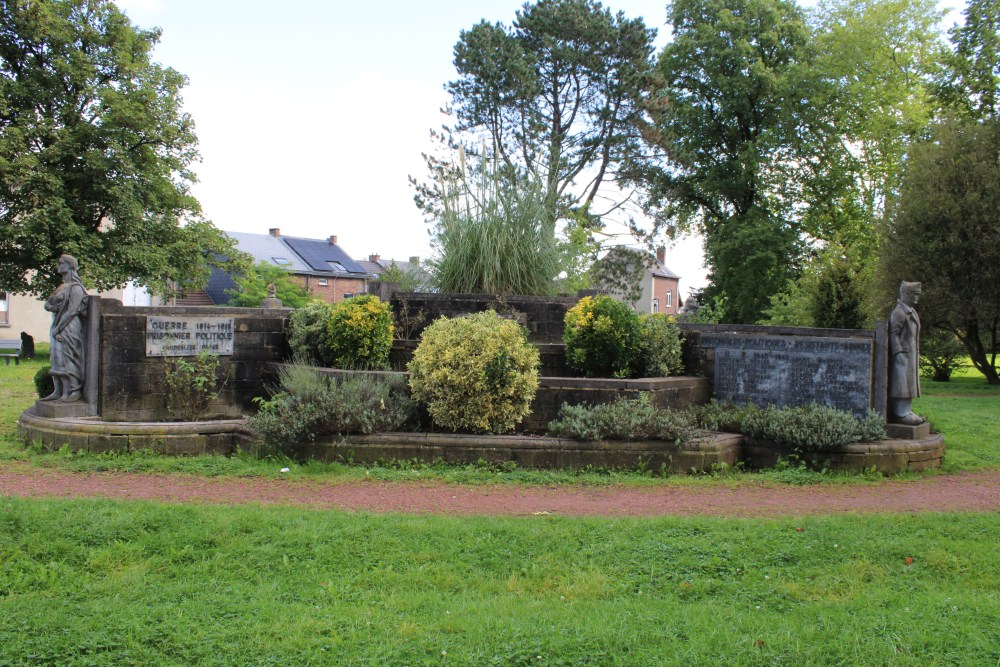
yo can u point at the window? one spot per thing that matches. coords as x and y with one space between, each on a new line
348 295
323 282
3 309
337 266
656 305
281 261
670 298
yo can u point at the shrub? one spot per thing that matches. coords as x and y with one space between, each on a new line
722 416
660 347
191 385
43 382
623 419
941 354
307 333
812 427
306 404
476 373
602 337
359 333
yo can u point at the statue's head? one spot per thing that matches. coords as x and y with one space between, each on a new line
68 262
909 293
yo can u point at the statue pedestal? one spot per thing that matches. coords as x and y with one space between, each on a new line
907 432
57 410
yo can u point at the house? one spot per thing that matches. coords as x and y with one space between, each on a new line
416 277
319 265
24 312
657 283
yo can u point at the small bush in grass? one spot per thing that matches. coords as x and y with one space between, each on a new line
602 337
359 333
307 404
660 346
43 382
307 333
941 354
476 373
623 419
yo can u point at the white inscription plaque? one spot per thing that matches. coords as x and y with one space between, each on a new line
188 336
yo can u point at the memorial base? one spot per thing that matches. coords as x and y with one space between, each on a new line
57 410
907 432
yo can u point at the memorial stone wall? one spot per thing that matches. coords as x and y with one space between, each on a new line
789 366
138 343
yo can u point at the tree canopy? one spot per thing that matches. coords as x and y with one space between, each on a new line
556 94
946 234
96 154
251 287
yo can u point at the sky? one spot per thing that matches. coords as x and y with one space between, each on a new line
311 114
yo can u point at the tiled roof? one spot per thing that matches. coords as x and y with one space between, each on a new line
269 249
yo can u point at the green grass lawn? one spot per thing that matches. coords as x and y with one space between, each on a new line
966 410
115 583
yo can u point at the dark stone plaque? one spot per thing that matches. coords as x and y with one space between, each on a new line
793 370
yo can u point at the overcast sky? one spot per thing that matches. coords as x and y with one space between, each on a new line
311 114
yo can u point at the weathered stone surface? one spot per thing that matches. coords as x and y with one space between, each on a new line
908 432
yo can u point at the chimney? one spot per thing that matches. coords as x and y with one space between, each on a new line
275 232
661 254
333 240
374 259
415 261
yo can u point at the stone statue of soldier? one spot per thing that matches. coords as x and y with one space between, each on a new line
904 356
68 305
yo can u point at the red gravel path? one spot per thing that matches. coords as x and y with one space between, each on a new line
969 492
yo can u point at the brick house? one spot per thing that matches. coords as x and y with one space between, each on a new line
660 285
320 266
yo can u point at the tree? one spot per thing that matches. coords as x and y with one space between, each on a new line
945 233
95 153
556 95
729 120
972 72
251 287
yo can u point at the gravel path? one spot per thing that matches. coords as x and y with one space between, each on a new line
967 492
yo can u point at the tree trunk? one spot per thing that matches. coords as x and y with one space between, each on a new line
977 352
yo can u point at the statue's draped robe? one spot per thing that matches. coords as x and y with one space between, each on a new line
904 348
68 305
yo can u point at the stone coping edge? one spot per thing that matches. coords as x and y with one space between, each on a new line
95 425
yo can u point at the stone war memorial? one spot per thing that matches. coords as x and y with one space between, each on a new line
110 366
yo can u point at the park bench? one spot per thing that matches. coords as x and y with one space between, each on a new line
7 344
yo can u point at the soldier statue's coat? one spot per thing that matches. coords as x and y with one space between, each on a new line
904 350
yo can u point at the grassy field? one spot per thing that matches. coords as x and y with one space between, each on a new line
966 410
129 583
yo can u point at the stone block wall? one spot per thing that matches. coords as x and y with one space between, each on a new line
132 384
542 316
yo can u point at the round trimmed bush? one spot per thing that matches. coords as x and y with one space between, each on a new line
602 337
660 352
477 373
43 382
307 333
359 333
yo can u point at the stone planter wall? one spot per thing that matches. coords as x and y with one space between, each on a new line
887 456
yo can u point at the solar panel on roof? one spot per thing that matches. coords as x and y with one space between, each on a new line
319 254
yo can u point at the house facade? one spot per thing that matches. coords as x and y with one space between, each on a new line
659 285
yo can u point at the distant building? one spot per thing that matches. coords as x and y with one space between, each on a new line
659 285
417 277
319 265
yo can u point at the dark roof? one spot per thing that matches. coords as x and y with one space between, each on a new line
319 254
218 282
268 249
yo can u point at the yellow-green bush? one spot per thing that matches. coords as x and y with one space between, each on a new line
476 373
359 333
602 337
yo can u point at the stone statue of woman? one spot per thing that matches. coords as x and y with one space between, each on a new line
68 305
904 356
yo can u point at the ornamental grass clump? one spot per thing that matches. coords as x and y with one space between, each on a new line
358 333
603 337
623 419
476 373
